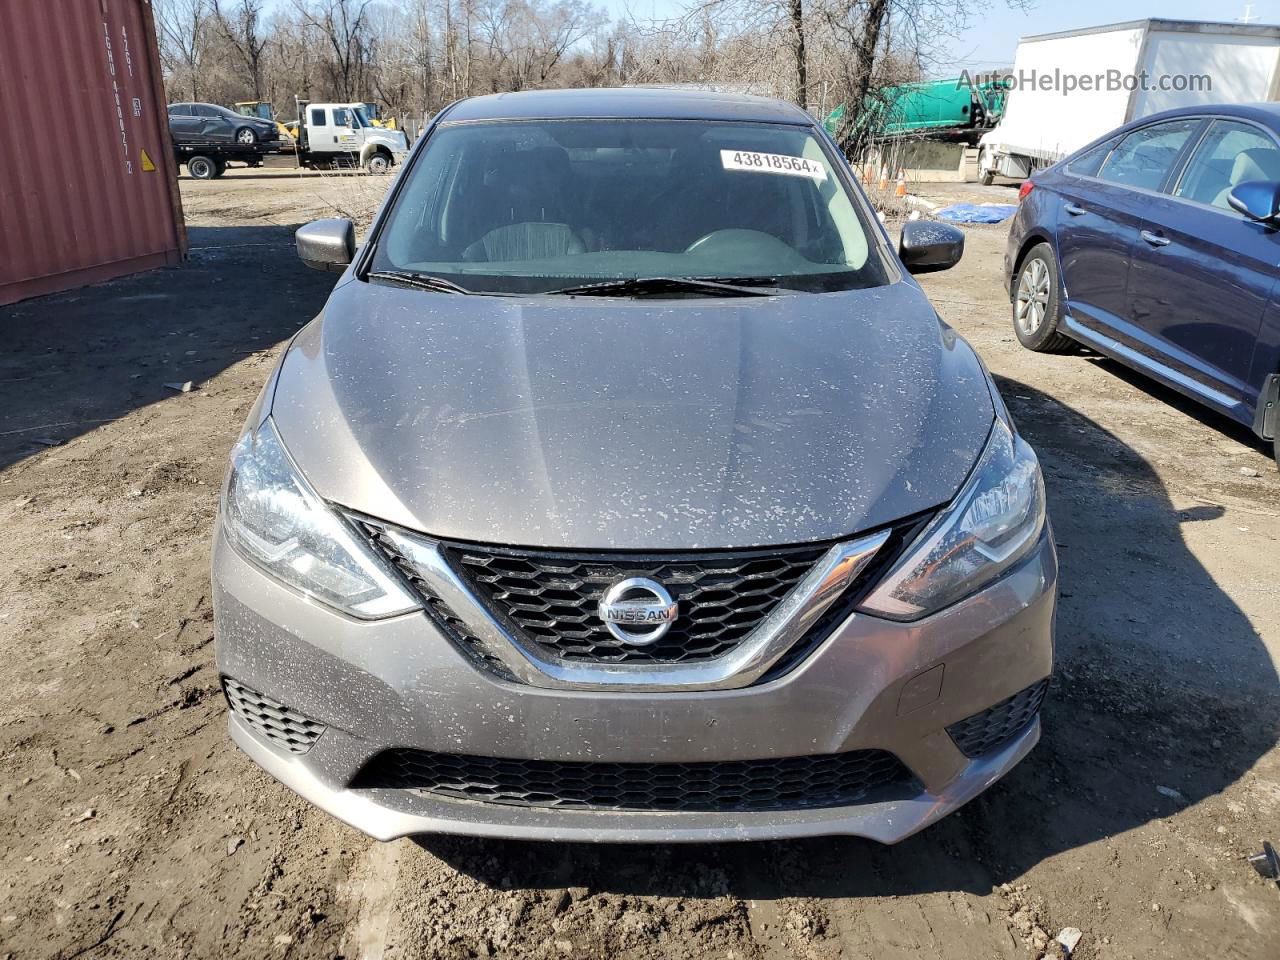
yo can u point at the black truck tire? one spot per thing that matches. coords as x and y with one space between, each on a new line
200 167
220 166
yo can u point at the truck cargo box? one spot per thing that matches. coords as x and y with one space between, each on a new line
1050 113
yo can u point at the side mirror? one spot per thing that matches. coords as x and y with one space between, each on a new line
326 244
927 246
1257 200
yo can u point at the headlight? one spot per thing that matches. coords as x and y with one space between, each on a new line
277 521
993 523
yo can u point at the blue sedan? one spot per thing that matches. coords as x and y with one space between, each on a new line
1158 246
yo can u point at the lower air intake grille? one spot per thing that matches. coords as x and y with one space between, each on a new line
992 728
739 785
284 727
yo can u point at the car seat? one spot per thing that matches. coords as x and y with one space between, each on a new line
1256 163
523 204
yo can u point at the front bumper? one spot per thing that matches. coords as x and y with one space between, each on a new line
397 683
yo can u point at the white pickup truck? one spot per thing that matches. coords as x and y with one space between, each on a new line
341 135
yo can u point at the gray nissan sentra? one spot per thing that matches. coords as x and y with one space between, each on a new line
629 488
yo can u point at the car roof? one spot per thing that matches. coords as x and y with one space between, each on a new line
644 103
1268 114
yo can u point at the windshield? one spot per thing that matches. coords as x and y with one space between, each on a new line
537 206
362 114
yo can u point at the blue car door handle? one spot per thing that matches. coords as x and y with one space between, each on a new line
1154 239
1074 210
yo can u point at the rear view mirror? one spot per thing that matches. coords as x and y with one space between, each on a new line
1257 200
327 244
927 246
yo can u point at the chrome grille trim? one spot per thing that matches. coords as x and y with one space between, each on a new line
448 622
785 625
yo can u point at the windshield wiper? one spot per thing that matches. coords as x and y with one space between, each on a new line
746 287
771 282
420 281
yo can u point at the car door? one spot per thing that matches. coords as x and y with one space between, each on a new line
184 127
1202 274
344 127
228 122
320 135
213 126
1104 194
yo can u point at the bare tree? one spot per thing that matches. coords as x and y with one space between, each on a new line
344 25
421 38
183 29
856 25
556 28
417 55
240 29
795 10
525 40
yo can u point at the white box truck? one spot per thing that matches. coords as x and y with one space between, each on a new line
1067 89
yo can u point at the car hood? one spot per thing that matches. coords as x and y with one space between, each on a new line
633 424
392 138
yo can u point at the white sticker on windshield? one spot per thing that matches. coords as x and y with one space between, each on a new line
772 163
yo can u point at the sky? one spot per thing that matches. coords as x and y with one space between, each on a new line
993 33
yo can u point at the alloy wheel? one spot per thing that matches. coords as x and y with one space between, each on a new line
1033 297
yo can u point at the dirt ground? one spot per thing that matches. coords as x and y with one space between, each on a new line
130 826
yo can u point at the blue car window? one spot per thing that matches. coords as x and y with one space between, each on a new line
1144 157
1087 164
1231 153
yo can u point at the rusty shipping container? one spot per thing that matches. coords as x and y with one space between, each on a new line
88 185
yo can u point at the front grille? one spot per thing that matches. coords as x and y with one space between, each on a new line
287 728
992 728
550 599
788 783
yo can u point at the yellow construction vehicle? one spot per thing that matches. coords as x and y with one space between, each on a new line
373 113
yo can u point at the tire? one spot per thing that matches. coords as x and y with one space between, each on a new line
379 164
1037 303
246 137
220 168
200 167
988 178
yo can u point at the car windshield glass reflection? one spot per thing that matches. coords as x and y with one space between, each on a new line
532 207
